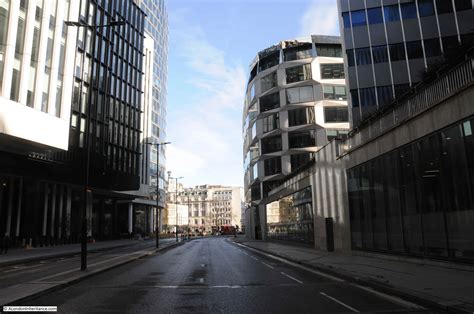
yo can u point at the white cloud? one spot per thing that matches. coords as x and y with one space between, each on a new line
206 131
320 18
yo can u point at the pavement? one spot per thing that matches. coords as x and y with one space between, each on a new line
33 279
214 275
442 285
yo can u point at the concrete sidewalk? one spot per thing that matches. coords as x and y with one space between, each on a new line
17 256
431 285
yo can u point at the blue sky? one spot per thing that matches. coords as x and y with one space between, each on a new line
211 45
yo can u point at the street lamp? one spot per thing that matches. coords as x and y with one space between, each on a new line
176 203
158 210
87 150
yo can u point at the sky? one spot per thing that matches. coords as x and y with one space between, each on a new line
211 45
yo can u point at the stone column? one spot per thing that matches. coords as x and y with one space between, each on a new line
20 198
130 218
11 187
53 210
60 211
68 211
45 208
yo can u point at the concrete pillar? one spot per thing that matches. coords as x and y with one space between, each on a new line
11 188
68 212
53 210
18 216
263 220
150 218
60 211
89 201
45 208
130 217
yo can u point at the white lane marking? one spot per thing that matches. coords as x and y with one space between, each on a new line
292 264
339 302
291 277
268 265
391 298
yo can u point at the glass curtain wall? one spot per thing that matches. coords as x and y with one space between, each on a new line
418 199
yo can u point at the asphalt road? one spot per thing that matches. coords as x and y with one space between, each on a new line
214 275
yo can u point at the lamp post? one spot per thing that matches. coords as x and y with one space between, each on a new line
176 203
87 138
158 210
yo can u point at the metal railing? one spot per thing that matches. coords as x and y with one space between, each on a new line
420 98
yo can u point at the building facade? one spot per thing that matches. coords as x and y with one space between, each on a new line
78 89
390 44
295 103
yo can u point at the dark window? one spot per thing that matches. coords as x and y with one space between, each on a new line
298 160
375 15
380 54
301 116
363 56
391 13
296 53
272 166
271 144
414 50
401 89
346 19
271 123
268 82
463 5
336 114
298 73
269 61
426 7
323 50
302 139
299 94
269 186
334 92
432 47
397 52
385 95
408 10
467 39
450 44
358 18
332 71
350 57
255 192
269 102
355 98
367 97
253 73
340 134
444 6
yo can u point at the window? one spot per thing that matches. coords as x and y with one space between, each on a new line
269 61
450 44
268 82
334 92
340 134
391 13
355 98
326 50
426 7
253 73
299 94
432 47
271 144
463 5
414 49
298 160
358 18
269 102
346 20
444 6
397 52
302 139
272 166
367 97
296 53
384 94
271 123
350 57
363 56
252 92
301 116
380 54
408 10
332 71
375 15
298 73
401 89
336 114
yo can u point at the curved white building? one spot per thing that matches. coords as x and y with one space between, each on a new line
295 103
